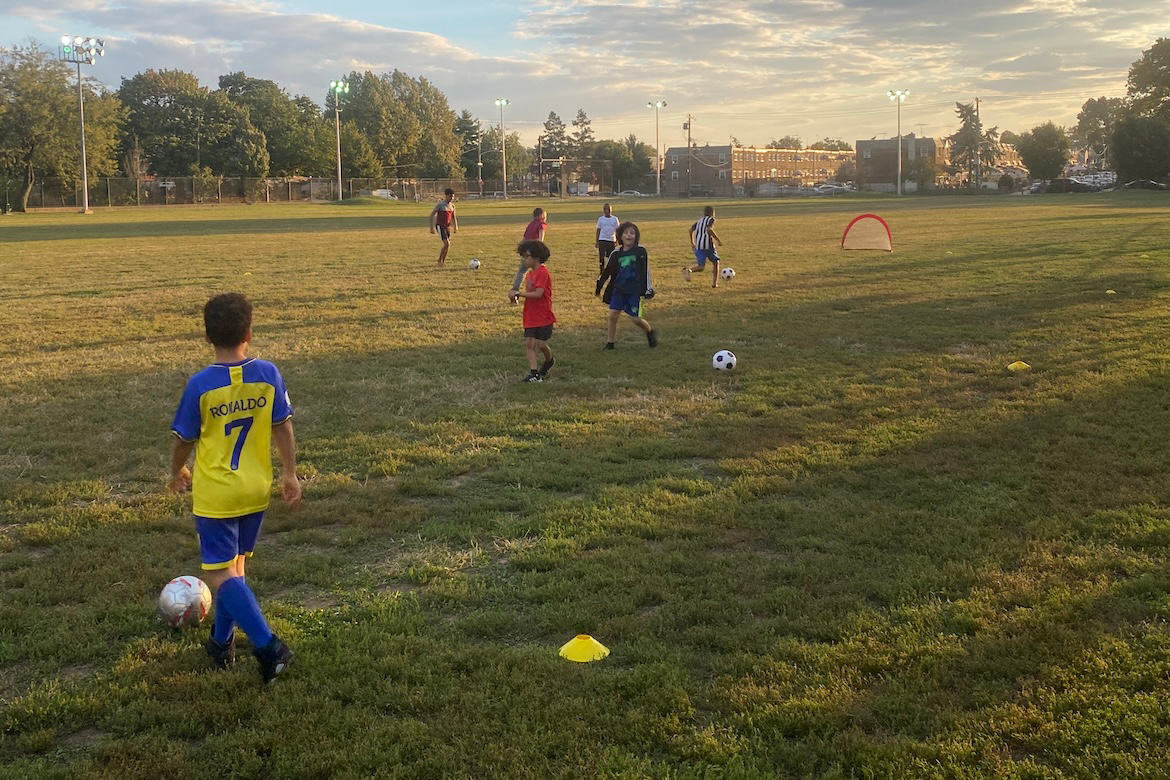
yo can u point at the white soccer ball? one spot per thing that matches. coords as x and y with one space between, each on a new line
474 264
727 273
723 360
185 601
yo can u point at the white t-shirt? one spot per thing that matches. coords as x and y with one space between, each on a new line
608 227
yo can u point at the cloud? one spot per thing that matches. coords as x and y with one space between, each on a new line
756 69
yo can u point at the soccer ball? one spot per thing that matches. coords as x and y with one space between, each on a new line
723 360
185 601
474 264
727 273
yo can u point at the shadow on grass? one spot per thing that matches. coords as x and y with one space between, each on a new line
843 556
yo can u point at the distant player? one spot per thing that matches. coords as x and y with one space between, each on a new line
607 225
230 414
628 272
538 313
443 219
534 232
703 241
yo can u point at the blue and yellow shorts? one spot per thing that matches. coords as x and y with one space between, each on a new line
223 539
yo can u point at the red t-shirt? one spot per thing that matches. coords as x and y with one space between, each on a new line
538 311
446 213
532 232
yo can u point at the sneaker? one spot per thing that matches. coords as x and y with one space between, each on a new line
686 273
608 345
224 655
652 339
548 364
533 378
274 659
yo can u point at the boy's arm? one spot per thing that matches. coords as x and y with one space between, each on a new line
597 241
180 474
540 235
692 236
433 217
454 222
534 293
715 237
286 448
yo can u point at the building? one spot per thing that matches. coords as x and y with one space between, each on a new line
743 170
877 162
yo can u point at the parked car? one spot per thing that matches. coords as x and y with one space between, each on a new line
1144 184
388 194
630 194
1067 185
1036 188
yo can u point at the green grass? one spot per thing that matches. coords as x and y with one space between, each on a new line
869 552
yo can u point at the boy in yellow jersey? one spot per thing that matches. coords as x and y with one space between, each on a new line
230 415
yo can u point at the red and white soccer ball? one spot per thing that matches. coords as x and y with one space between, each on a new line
185 601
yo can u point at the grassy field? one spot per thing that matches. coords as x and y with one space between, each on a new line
870 552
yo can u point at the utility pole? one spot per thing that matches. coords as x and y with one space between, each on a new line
479 154
687 127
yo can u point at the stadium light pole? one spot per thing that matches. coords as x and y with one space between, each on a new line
338 88
78 50
656 105
899 97
501 102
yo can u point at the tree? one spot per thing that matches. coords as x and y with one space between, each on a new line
831 145
1148 87
358 160
467 128
1044 151
292 136
436 148
787 142
581 141
1008 137
39 121
973 149
555 138
519 158
1095 122
1141 148
641 153
922 171
180 126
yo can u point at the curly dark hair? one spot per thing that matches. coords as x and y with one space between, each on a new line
622 229
226 318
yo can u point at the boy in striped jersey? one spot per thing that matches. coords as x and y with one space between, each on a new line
703 241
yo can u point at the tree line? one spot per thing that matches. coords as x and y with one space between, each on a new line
165 123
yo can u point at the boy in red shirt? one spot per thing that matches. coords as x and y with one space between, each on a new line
534 231
538 313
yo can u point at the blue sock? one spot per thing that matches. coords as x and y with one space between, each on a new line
224 625
242 605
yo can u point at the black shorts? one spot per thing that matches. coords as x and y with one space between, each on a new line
604 248
443 231
543 333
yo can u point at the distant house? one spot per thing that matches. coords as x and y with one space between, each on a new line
705 171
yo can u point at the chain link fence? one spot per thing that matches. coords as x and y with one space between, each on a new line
50 193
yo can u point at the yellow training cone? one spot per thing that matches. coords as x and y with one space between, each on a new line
584 648
1019 365
1111 292
1147 257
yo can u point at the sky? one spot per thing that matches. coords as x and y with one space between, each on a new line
753 69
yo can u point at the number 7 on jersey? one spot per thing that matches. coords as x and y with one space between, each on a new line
245 425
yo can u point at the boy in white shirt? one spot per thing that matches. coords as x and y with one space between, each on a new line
606 236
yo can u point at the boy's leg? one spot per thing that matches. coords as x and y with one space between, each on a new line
611 326
443 251
530 350
641 323
715 272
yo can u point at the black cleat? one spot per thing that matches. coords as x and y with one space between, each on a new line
274 659
224 655
608 345
533 378
544 369
652 339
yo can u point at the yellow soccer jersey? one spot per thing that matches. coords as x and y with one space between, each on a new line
228 410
